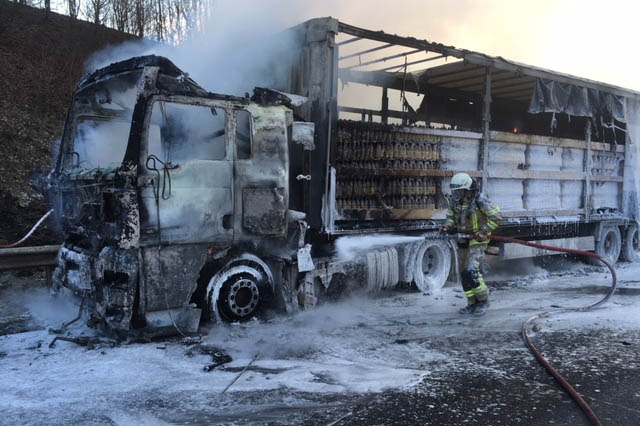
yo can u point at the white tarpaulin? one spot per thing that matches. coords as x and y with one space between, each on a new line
632 158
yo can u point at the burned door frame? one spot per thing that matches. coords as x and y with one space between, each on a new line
263 178
146 177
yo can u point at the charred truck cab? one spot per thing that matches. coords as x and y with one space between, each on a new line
174 200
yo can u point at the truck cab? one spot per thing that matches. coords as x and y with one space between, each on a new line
160 185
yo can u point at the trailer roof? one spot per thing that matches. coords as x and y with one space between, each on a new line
510 80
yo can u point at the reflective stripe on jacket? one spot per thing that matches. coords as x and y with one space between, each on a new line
479 216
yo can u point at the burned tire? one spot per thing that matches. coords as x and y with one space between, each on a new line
240 290
631 244
432 265
608 246
239 297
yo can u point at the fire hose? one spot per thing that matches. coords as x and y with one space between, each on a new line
23 239
525 327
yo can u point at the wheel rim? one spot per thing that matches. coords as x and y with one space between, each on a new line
243 297
635 241
609 244
432 261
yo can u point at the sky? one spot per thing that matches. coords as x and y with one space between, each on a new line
591 39
587 38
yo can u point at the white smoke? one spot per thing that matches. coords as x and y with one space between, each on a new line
228 57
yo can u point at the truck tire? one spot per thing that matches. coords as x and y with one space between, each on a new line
608 246
433 262
239 298
631 244
239 290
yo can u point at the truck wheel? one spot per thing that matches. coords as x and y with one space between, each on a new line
608 246
631 244
432 265
239 298
240 289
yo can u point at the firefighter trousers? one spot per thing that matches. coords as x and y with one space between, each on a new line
472 281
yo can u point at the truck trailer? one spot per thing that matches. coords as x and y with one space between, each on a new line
178 205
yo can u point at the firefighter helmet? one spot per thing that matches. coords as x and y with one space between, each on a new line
461 181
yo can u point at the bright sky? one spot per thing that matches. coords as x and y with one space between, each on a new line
588 38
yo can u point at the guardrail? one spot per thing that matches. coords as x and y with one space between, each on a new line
29 257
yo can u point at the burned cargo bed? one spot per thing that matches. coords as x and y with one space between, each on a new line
397 116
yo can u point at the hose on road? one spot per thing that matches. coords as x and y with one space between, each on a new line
593 418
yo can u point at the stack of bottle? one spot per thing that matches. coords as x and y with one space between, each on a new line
411 186
366 150
396 202
411 202
400 192
373 146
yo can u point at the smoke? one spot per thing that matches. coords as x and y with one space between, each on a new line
52 310
299 336
101 143
26 296
242 47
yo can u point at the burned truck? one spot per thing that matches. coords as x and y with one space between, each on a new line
179 205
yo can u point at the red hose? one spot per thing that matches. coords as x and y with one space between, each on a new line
525 327
23 239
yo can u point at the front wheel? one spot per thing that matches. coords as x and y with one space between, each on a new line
239 290
239 298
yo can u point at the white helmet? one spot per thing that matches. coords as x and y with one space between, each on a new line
460 181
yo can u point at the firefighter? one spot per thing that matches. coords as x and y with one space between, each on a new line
471 213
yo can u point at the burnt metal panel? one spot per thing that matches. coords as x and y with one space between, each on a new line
115 286
170 275
264 211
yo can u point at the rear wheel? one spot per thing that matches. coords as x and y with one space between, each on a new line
631 244
432 266
608 246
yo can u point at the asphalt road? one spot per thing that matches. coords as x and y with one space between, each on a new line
391 359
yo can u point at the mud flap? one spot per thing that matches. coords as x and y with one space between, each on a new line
186 320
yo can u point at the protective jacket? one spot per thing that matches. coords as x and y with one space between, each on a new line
479 216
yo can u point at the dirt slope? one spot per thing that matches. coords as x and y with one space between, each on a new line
41 59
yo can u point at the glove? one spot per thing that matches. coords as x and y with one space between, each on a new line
480 237
447 230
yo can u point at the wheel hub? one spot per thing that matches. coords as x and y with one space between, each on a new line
427 261
608 244
243 297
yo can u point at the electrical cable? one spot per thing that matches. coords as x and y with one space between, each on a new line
156 193
593 418
23 239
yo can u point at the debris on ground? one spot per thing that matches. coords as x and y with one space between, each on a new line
89 341
218 357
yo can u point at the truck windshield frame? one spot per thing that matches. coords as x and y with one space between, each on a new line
104 103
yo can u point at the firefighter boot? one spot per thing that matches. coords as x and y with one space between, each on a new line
480 308
470 308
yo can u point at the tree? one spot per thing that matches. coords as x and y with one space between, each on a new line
120 12
73 7
96 10
139 17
